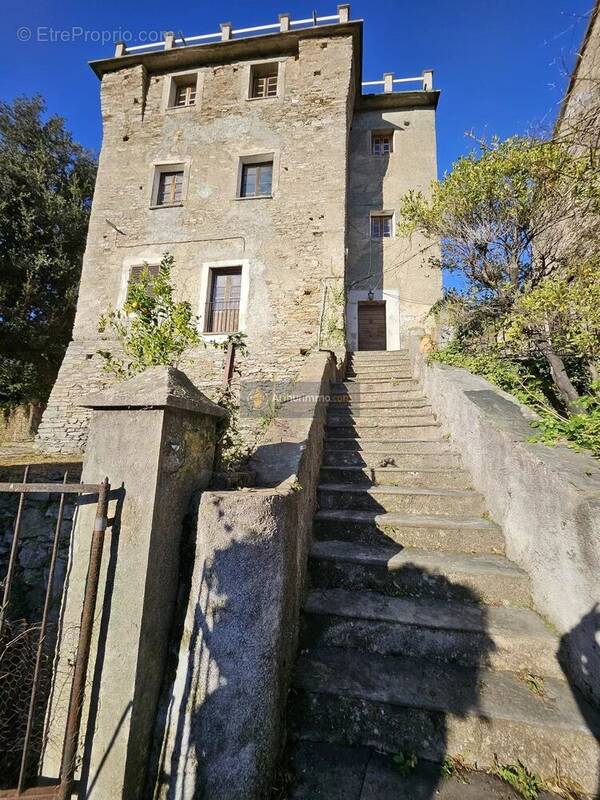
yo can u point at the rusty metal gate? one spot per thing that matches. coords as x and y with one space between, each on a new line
27 650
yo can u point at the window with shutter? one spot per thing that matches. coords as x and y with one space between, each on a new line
138 271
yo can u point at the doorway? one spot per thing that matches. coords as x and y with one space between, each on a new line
372 333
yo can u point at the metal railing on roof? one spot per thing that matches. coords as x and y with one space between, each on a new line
229 33
389 82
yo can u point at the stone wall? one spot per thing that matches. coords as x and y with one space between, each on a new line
19 424
220 726
38 522
547 500
288 245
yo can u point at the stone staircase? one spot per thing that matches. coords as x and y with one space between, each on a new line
417 633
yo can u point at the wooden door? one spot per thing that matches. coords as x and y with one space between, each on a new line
371 326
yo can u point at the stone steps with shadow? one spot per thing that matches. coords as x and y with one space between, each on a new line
417 633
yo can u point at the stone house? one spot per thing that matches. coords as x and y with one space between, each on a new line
261 161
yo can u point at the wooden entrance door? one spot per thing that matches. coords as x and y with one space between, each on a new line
371 326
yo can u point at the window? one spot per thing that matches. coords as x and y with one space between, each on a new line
182 90
223 307
185 95
169 187
148 271
257 179
382 143
382 226
263 80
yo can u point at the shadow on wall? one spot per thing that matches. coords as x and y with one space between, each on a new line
581 646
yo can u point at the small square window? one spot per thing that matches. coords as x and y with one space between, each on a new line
382 226
382 144
263 80
169 187
257 180
182 91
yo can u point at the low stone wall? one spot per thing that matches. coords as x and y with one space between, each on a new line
20 423
547 500
221 718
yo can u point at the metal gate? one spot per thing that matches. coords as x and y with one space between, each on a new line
27 650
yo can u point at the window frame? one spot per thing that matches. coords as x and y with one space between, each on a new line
177 80
153 262
382 134
214 273
380 216
204 296
258 165
269 69
161 169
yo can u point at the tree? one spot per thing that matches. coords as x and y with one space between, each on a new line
46 186
501 216
153 328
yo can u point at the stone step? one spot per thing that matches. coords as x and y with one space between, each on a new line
365 412
409 499
377 373
488 579
426 532
361 423
512 639
386 447
384 381
324 771
437 710
390 476
444 460
383 390
406 432
378 356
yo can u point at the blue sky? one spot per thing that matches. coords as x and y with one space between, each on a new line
501 64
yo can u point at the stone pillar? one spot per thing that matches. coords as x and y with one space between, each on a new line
344 12
169 40
154 437
427 80
284 23
388 82
120 49
226 28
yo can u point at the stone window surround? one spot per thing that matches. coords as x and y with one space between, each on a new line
257 157
382 213
170 86
205 284
169 165
391 132
246 80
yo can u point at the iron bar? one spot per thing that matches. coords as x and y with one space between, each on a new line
40 644
62 488
13 554
67 770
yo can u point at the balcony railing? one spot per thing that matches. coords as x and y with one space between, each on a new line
221 317
228 32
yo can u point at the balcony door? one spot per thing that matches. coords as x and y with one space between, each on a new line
223 308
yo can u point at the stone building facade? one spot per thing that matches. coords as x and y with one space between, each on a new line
262 167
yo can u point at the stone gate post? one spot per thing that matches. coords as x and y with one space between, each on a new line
154 437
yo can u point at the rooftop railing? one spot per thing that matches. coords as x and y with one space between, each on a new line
229 33
389 83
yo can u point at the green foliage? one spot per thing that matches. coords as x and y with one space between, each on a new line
333 334
405 763
46 187
232 450
520 778
152 328
578 431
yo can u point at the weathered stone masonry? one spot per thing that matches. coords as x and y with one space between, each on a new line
290 245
